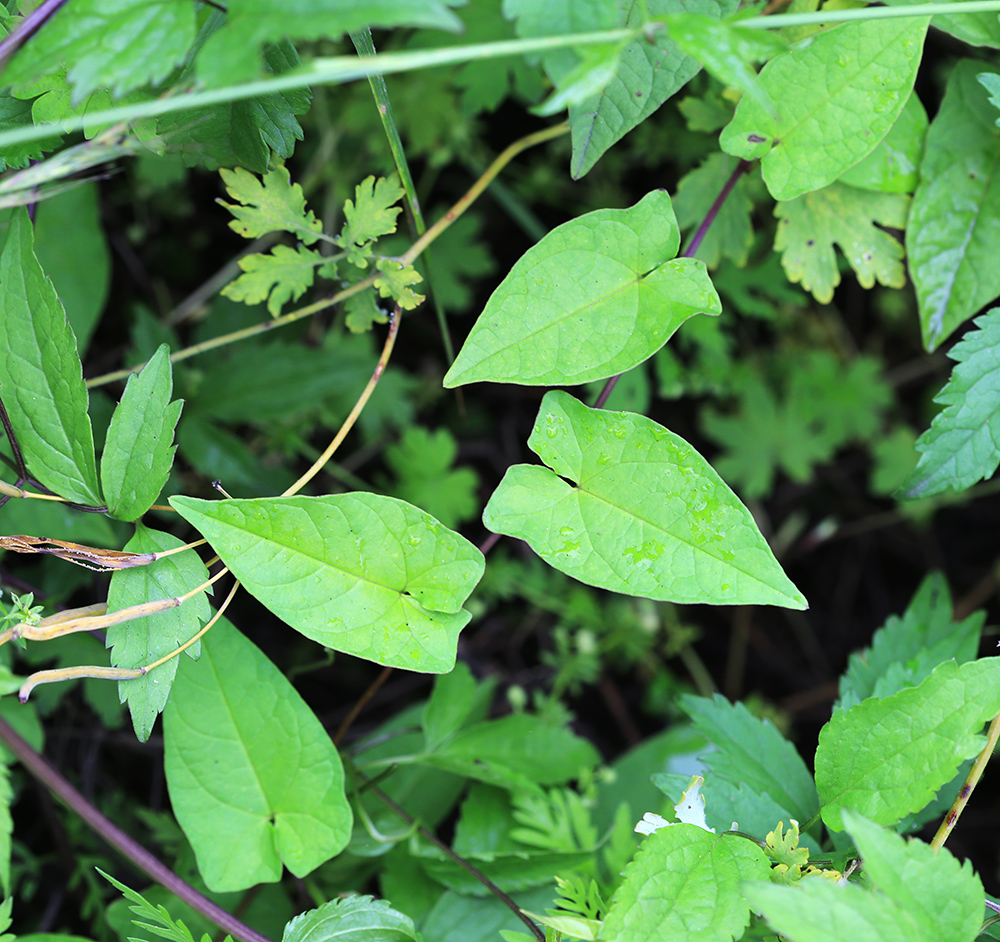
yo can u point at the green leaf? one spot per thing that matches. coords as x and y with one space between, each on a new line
750 751
905 650
232 54
394 282
850 84
730 234
282 276
139 450
976 29
422 462
241 133
368 575
953 232
456 697
254 780
893 167
143 640
363 312
6 828
155 919
597 296
354 919
523 744
728 51
809 226
41 379
815 910
886 758
962 446
684 883
369 215
271 203
945 897
121 45
647 74
71 248
16 115
645 514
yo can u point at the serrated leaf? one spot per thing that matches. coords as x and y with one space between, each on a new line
850 83
944 896
752 752
368 575
886 758
363 312
905 650
354 919
893 167
232 55
645 514
271 203
394 282
368 216
730 234
279 277
684 883
962 446
139 450
254 780
143 640
121 45
809 226
953 232
41 378
819 911
597 296
15 115
245 132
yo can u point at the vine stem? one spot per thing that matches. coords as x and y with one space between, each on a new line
407 259
971 780
383 360
132 850
461 861
713 211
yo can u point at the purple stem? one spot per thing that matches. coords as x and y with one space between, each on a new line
30 25
40 768
741 168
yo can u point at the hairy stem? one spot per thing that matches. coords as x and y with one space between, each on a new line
133 851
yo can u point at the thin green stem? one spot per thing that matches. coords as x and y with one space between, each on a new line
781 20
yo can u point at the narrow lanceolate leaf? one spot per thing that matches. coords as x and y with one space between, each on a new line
368 575
850 84
254 779
139 449
953 233
684 883
887 758
597 296
41 379
962 446
751 751
144 640
943 896
353 919
626 505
